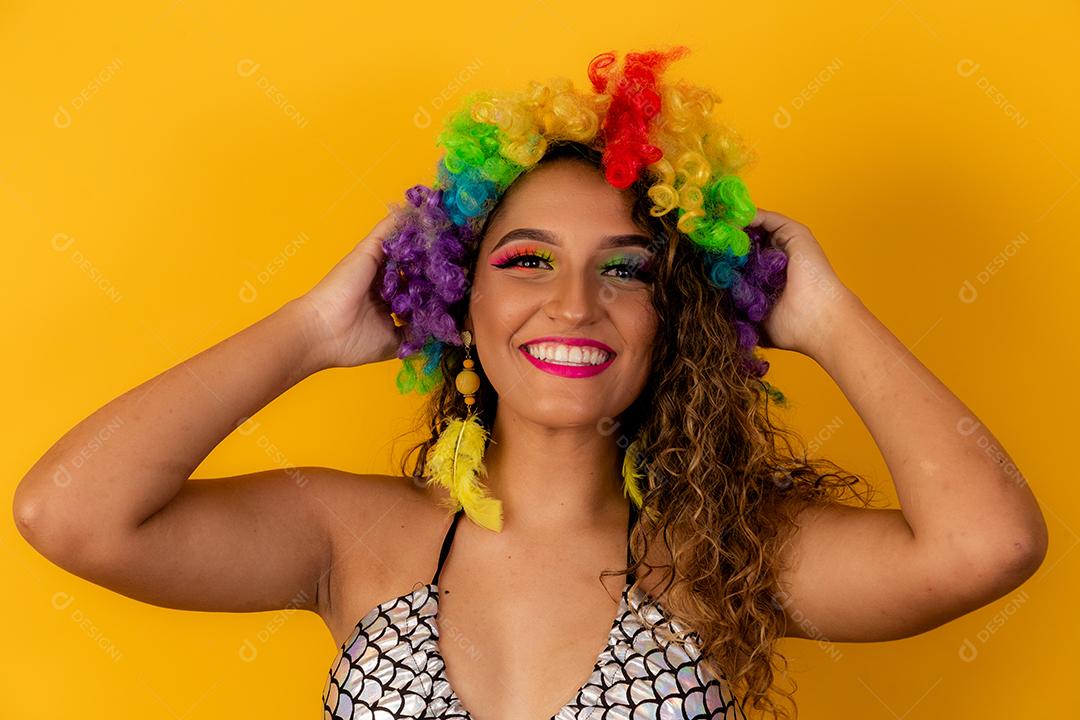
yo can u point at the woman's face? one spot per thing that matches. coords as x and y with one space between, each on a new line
563 259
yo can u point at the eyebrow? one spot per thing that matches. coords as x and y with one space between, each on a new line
544 236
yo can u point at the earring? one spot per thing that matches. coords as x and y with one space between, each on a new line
633 476
631 473
456 460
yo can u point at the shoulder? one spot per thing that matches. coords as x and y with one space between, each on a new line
382 529
382 514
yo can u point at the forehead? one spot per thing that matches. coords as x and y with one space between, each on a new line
564 196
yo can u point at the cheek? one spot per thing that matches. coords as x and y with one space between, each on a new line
638 320
494 305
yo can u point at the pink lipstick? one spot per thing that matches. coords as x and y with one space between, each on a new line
569 371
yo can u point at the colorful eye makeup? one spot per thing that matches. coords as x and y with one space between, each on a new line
626 267
637 267
511 257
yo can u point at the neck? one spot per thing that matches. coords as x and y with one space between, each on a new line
554 477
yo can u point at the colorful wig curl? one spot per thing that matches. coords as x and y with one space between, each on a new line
646 128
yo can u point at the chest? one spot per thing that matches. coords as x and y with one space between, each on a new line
521 632
392 666
525 646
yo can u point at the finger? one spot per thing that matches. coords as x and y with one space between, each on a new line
385 226
769 220
373 243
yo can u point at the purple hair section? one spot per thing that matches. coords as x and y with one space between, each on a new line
425 272
755 288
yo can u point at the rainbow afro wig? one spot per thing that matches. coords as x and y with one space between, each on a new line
664 133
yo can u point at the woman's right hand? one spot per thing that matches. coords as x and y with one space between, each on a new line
351 320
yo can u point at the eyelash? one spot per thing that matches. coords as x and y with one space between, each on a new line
639 268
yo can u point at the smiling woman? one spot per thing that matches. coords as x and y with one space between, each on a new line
603 253
668 408
616 219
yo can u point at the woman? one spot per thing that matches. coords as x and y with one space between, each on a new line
740 540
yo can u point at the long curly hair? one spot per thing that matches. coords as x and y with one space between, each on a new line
722 476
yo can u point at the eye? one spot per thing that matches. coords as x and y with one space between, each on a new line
523 258
633 268
627 268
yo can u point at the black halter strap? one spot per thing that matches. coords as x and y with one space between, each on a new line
446 545
449 539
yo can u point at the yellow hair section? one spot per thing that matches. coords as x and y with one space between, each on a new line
455 461
697 148
529 119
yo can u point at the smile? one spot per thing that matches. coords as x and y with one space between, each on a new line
568 361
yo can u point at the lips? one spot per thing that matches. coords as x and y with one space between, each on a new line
569 371
563 340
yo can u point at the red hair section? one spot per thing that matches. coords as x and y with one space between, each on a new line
634 102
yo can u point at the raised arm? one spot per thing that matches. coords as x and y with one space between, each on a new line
113 500
968 529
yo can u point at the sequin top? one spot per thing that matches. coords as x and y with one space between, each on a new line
391 667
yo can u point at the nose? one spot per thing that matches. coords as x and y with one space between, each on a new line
575 298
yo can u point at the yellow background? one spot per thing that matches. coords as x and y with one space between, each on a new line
172 172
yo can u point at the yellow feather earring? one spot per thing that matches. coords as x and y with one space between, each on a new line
456 460
632 476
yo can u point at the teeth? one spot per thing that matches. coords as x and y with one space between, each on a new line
567 354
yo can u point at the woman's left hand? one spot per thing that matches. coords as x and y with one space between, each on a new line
802 316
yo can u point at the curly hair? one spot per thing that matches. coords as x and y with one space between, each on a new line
687 160
722 478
